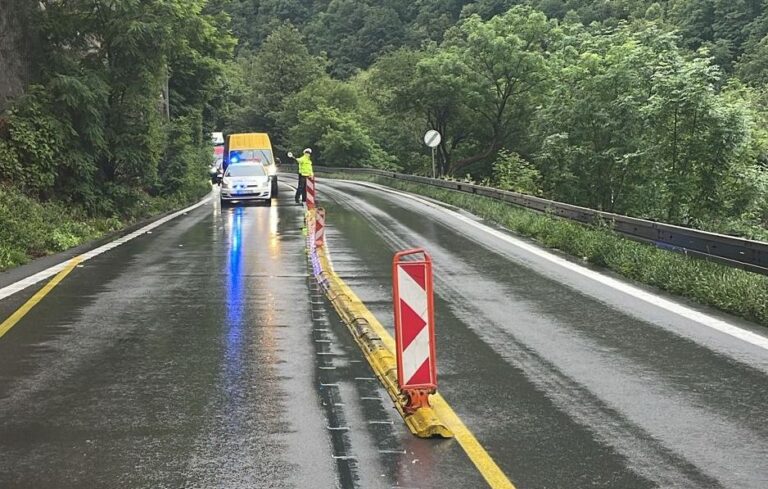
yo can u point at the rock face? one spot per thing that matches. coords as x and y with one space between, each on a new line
15 48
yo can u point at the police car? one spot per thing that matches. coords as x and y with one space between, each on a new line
246 182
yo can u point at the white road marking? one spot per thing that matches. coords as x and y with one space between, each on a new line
50 272
673 307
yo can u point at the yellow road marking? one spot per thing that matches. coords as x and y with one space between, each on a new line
32 302
474 450
484 463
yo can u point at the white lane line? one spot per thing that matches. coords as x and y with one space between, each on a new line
673 307
344 457
50 272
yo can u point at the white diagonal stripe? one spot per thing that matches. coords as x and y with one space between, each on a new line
415 354
412 293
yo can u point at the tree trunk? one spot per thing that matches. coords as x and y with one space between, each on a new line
458 165
16 49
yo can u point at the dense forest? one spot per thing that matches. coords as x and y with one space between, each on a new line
653 109
93 128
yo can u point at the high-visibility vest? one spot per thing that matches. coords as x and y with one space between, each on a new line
305 166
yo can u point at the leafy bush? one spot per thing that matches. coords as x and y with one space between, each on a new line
29 144
340 138
513 172
30 228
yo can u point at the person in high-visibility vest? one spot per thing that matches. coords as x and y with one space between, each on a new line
305 171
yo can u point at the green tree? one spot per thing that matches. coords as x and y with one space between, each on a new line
278 70
354 33
335 120
429 86
116 75
695 135
505 63
635 115
592 124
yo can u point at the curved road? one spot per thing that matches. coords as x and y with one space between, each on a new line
568 382
201 356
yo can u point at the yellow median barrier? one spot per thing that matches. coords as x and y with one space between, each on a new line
375 342
377 346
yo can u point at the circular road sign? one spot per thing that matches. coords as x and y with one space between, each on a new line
432 138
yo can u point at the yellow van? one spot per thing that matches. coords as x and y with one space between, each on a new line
253 147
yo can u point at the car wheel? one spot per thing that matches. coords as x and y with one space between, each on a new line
268 202
224 203
274 187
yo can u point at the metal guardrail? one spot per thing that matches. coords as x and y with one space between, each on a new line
733 251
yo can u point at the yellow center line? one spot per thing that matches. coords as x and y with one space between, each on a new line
493 475
482 460
32 302
485 464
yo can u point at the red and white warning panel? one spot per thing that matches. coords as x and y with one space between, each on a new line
311 193
320 227
414 326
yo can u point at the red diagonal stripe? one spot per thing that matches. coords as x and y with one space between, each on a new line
411 325
422 375
417 272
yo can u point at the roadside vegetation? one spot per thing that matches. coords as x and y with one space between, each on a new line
115 124
731 290
656 110
31 229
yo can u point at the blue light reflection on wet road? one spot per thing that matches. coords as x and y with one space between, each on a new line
234 278
234 354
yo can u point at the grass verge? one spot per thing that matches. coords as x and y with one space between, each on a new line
732 290
30 229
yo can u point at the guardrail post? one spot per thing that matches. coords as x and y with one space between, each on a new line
414 327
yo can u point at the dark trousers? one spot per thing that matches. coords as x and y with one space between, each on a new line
301 190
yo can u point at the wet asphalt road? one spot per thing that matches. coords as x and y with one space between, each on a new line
567 382
200 356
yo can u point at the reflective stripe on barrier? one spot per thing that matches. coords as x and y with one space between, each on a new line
311 193
320 227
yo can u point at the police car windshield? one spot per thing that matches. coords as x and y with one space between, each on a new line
263 156
246 171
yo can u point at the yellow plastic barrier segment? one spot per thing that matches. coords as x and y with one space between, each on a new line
377 345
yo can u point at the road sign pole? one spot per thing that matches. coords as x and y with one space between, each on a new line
433 163
414 327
